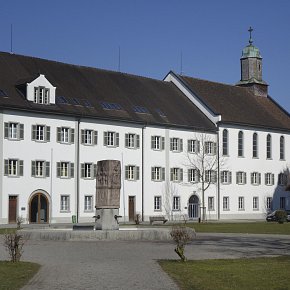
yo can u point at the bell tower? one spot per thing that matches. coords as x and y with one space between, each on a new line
251 69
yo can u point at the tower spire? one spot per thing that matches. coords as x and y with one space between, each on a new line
250 30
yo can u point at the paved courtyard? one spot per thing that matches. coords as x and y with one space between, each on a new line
132 264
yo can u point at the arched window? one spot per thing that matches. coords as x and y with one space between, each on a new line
241 144
225 142
269 146
282 148
255 145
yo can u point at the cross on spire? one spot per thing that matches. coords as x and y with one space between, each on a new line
250 30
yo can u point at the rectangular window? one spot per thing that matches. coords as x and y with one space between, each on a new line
157 173
13 167
210 176
211 203
282 202
157 143
41 95
111 139
255 178
193 146
269 179
176 202
210 148
226 203
255 203
132 141
40 133
88 203
176 174
241 177
65 169
157 203
226 177
64 203
282 179
40 168
241 205
13 131
88 170
193 175
89 137
176 144
65 135
269 203
131 172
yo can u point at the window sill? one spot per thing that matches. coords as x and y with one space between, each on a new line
157 210
64 211
255 209
226 209
241 209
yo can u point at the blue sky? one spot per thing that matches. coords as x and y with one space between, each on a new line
152 34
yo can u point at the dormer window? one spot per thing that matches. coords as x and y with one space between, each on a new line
41 95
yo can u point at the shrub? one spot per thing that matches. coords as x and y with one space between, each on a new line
281 216
14 243
138 218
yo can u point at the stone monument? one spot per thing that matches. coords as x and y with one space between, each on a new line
108 185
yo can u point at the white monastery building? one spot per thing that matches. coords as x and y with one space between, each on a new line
188 147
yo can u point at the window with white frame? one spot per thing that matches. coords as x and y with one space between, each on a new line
40 133
193 146
241 177
176 174
157 203
64 203
176 203
88 170
210 148
282 202
255 178
13 131
241 144
210 203
225 142
89 137
193 175
226 203
269 146
157 143
132 141
282 148
176 144
132 172
282 179
13 167
65 169
241 203
269 178
255 145
65 135
226 177
255 203
157 173
41 95
111 139
269 202
88 203
210 176
40 168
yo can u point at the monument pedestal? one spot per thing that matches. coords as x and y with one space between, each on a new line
107 219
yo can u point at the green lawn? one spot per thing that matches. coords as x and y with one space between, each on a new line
8 231
16 275
238 274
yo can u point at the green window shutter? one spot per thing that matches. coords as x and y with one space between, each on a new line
105 138
171 144
230 177
95 170
137 176
20 167
272 178
58 168
33 132
72 136
82 136
189 175
21 131
245 177
47 168
152 173
126 140
82 170
6 167
117 139
259 178
214 148
6 130
188 145
162 173
33 168
152 142
180 174
58 134
137 141
237 177
162 143
180 145
71 170
198 146
95 137
126 172
47 129
171 174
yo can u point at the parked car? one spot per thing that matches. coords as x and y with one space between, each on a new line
271 217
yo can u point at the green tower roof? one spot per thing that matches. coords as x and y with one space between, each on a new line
250 50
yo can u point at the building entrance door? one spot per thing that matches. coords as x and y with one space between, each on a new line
12 215
193 207
131 208
38 208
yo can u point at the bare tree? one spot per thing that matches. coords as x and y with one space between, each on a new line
168 192
202 164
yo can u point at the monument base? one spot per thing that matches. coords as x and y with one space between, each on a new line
107 219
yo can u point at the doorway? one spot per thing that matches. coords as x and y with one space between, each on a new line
193 207
38 208
131 208
12 215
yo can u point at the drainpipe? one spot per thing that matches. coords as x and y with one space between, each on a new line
218 175
77 169
142 157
